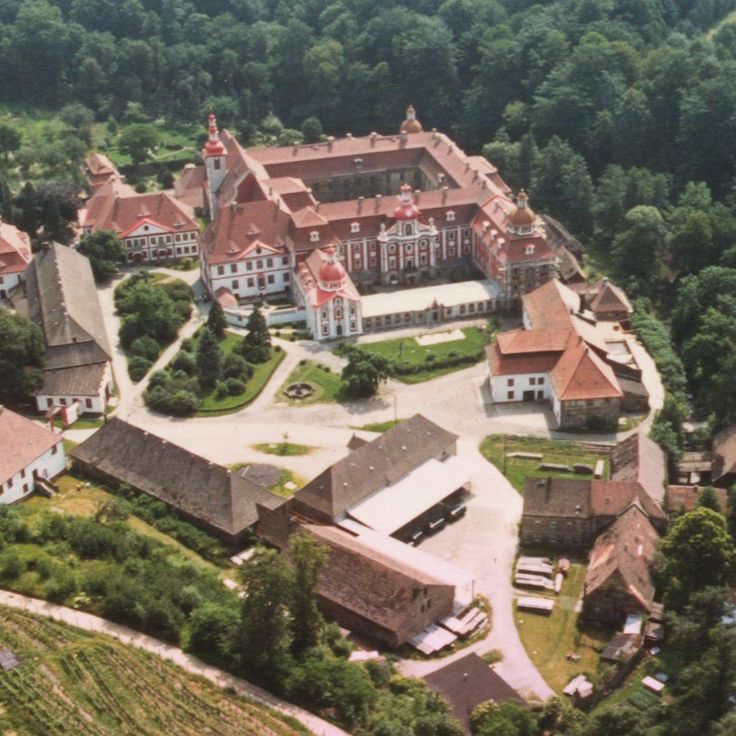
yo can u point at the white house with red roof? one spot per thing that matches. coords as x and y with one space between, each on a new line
29 451
405 209
15 257
329 297
153 226
563 357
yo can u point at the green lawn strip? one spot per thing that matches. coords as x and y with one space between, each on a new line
283 448
548 639
407 351
212 406
495 449
328 386
379 426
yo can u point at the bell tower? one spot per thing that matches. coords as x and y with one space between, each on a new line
215 160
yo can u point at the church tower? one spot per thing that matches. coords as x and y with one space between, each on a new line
213 154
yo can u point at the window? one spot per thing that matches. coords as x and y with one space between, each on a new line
88 403
540 381
269 262
259 265
234 284
314 237
217 163
409 248
510 395
23 473
450 216
354 227
49 403
251 282
220 270
532 381
233 267
510 382
54 449
271 279
287 276
529 250
285 260
407 230
249 265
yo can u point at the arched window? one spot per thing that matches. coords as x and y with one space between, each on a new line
314 236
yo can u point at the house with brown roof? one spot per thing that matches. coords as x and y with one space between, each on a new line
221 501
60 296
639 458
15 257
467 682
28 452
605 300
152 226
618 581
563 357
97 169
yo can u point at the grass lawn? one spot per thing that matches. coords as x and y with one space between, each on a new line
212 406
283 448
407 350
87 500
548 639
495 446
379 426
327 385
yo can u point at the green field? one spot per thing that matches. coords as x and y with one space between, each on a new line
495 449
548 639
406 353
327 384
78 684
380 427
283 448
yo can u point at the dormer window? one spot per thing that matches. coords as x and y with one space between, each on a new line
529 250
354 227
314 236
451 216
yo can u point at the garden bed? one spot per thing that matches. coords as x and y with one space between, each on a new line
328 386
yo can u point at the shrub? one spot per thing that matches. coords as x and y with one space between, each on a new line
221 390
277 348
234 386
159 378
184 362
183 403
138 367
145 347
187 345
140 187
236 366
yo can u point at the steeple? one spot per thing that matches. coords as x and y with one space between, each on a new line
521 218
411 124
215 161
214 146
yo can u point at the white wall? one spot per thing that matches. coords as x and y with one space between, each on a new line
48 465
522 382
7 282
98 402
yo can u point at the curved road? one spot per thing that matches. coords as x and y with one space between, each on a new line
88 622
484 541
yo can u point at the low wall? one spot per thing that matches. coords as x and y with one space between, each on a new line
238 316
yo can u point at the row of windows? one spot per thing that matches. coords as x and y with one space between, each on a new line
63 402
161 239
251 282
250 265
532 381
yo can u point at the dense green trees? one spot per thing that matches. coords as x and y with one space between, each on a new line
22 352
256 345
364 372
105 251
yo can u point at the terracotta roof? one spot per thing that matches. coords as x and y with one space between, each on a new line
190 483
686 497
526 341
621 557
114 206
363 580
724 453
581 374
638 458
225 297
375 465
467 682
550 305
515 364
15 249
22 441
98 163
612 497
316 290
240 229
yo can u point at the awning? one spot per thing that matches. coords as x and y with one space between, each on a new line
395 506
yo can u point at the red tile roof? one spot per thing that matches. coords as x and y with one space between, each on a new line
115 206
309 277
22 441
190 186
526 341
15 249
686 497
581 374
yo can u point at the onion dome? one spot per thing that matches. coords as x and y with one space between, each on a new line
331 273
406 209
522 217
411 124
214 146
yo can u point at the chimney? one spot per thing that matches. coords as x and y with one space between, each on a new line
379 197
374 137
295 149
360 204
330 141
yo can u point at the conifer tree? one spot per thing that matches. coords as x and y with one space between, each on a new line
256 346
216 320
209 360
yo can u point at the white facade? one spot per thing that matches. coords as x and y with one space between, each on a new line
338 317
152 242
8 282
256 274
521 387
22 484
92 404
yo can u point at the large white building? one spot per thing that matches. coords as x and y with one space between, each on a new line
28 452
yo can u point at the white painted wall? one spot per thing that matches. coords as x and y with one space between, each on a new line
97 402
48 465
522 382
7 282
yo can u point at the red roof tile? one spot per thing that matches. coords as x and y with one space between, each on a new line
22 441
581 374
15 249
